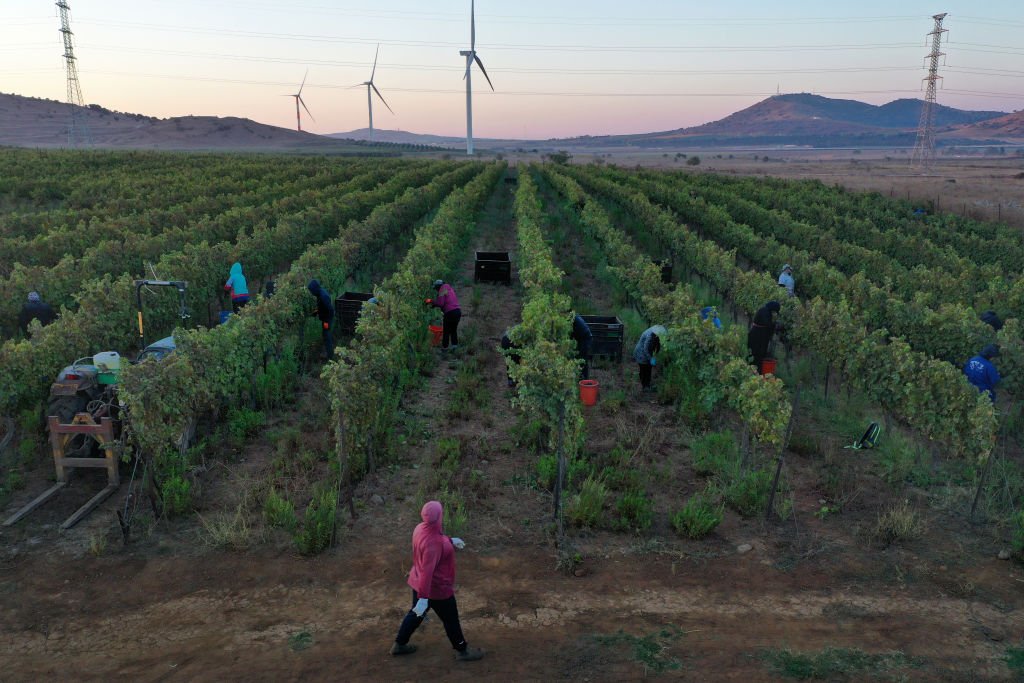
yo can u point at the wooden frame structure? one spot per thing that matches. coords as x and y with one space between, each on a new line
60 434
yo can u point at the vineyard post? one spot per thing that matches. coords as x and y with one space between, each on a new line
828 376
560 483
344 470
745 446
782 454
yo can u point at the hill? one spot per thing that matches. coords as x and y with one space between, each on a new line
35 122
1009 127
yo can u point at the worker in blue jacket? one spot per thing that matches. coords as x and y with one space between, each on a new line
982 373
325 312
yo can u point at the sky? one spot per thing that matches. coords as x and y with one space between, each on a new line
560 68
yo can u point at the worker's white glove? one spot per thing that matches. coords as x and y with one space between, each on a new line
654 361
458 543
421 607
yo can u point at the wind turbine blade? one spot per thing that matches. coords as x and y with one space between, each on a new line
303 82
472 25
374 72
307 109
481 65
382 98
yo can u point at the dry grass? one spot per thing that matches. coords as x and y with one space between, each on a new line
899 522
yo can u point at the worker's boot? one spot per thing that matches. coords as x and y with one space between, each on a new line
406 649
469 655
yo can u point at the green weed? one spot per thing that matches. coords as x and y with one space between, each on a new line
651 650
279 512
300 641
699 516
1017 524
899 522
318 526
586 508
635 511
1015 661
242 422
835 663
747 492
714 453
900 461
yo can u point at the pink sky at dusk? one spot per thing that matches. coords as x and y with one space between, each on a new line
560 69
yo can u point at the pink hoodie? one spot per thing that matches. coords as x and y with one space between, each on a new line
446 299
433 557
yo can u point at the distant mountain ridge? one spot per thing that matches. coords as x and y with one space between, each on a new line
782 120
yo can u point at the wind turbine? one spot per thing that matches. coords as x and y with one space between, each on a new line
298 101
471 56
371 88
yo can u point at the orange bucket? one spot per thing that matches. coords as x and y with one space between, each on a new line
768 366
436 331
588 392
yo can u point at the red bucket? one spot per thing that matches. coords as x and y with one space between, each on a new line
436 331
588 392
768 366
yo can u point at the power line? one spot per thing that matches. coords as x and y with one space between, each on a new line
514 46
527 70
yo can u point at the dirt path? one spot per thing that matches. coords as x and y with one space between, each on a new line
230 616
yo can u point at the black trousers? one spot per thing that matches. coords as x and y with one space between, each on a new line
451 328
238 304
328 333
645 374
446 610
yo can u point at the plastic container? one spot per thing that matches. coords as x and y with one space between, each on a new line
109 365
436 332
224 315
768 366
588 391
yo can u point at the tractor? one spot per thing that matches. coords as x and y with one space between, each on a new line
83 412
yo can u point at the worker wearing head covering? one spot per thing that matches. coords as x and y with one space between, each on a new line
982 373
707 311
238 287
991 319
325 312
584 339
432 579
761 331
645 352
35 309
448 302
786 279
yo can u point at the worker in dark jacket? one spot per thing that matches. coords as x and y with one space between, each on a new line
35 309
982 373
584 339
990 318
761 331
646 351
325 312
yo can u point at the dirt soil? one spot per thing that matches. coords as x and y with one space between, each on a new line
170 606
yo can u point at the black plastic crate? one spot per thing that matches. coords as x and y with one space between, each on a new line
492 266
608 333
347 308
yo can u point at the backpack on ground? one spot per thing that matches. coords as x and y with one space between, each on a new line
870 438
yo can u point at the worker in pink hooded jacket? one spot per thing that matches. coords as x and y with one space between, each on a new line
448 302
432 580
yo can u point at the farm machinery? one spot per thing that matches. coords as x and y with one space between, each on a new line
84 418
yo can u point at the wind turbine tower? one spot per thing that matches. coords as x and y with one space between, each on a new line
78 130
298 101
924 150
370 89
471 56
